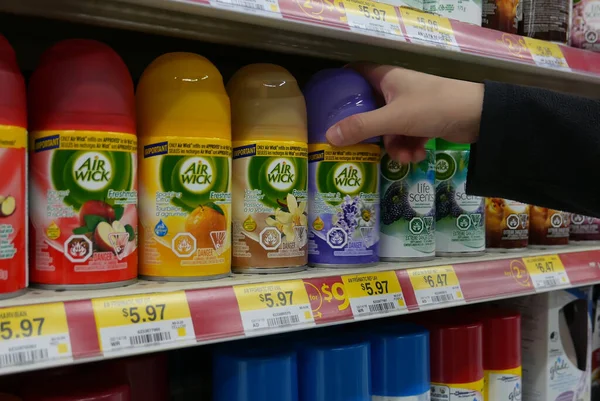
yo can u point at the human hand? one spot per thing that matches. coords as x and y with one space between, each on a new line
418 107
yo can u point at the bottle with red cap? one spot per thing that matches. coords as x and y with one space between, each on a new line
501 353
13 183
83 168
456 359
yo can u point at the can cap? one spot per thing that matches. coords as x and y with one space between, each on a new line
333 370
13 104
183 94
501 338
400 361
81 84
267 104
255 374
87 388
332 95
456 350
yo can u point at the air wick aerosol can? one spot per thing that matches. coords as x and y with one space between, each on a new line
343 182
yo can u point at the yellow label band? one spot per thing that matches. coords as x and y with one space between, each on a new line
472 391
33 321
369 284
355 153
12 137
83 140
243 149
184 146
432 277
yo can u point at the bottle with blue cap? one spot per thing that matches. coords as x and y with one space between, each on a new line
257 374
343 189
335 370
400 363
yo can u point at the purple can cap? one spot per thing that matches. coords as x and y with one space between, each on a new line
332 95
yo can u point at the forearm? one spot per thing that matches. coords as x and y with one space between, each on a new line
538 147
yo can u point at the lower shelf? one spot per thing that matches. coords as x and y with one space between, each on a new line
48 328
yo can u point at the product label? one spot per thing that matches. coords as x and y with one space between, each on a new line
269 215
344 199
140 321
460 225
461 10
585 30
506 224
420 397
13 209
547 20
502 15
185 202
407 208
584 228
458 392
548 226
34 334
83 207
503 385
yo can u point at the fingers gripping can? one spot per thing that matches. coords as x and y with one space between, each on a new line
83 153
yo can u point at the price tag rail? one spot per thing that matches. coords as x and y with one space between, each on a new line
50 328
345 30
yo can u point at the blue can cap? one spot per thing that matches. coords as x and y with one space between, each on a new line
332 95
255 375
400 361
335 371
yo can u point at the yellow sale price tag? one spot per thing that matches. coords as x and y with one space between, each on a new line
372 293
435 285
428 29
546 271
546 54
148 319
33 334
378 18
273 305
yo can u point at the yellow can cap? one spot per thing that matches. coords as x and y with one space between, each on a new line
267 104
182 94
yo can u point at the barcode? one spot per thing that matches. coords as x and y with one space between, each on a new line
442 298
549 282
150 338
245 4
387 306
374 28
23 358
282 321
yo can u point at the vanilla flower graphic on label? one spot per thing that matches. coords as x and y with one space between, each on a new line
285 221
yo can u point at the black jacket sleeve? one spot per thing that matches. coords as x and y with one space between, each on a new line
538 147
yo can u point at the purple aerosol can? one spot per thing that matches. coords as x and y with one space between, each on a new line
343 183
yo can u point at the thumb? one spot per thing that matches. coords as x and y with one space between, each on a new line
387 120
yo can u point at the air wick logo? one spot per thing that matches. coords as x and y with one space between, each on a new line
348 178
196 174
92 171
281 174
559 368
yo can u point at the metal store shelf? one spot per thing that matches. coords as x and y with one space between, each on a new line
63 327
330 29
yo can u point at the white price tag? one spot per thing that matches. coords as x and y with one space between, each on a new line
273 307
130 322
267 7
371 17
33 335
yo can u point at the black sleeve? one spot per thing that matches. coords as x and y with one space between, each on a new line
538 147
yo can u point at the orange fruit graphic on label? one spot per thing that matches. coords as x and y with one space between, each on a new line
204 222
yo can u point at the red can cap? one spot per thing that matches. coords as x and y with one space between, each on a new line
13 106
81 85
73 388
501 339
456 351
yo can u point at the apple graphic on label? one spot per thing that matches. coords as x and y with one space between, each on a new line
111 237
98 208
8 205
